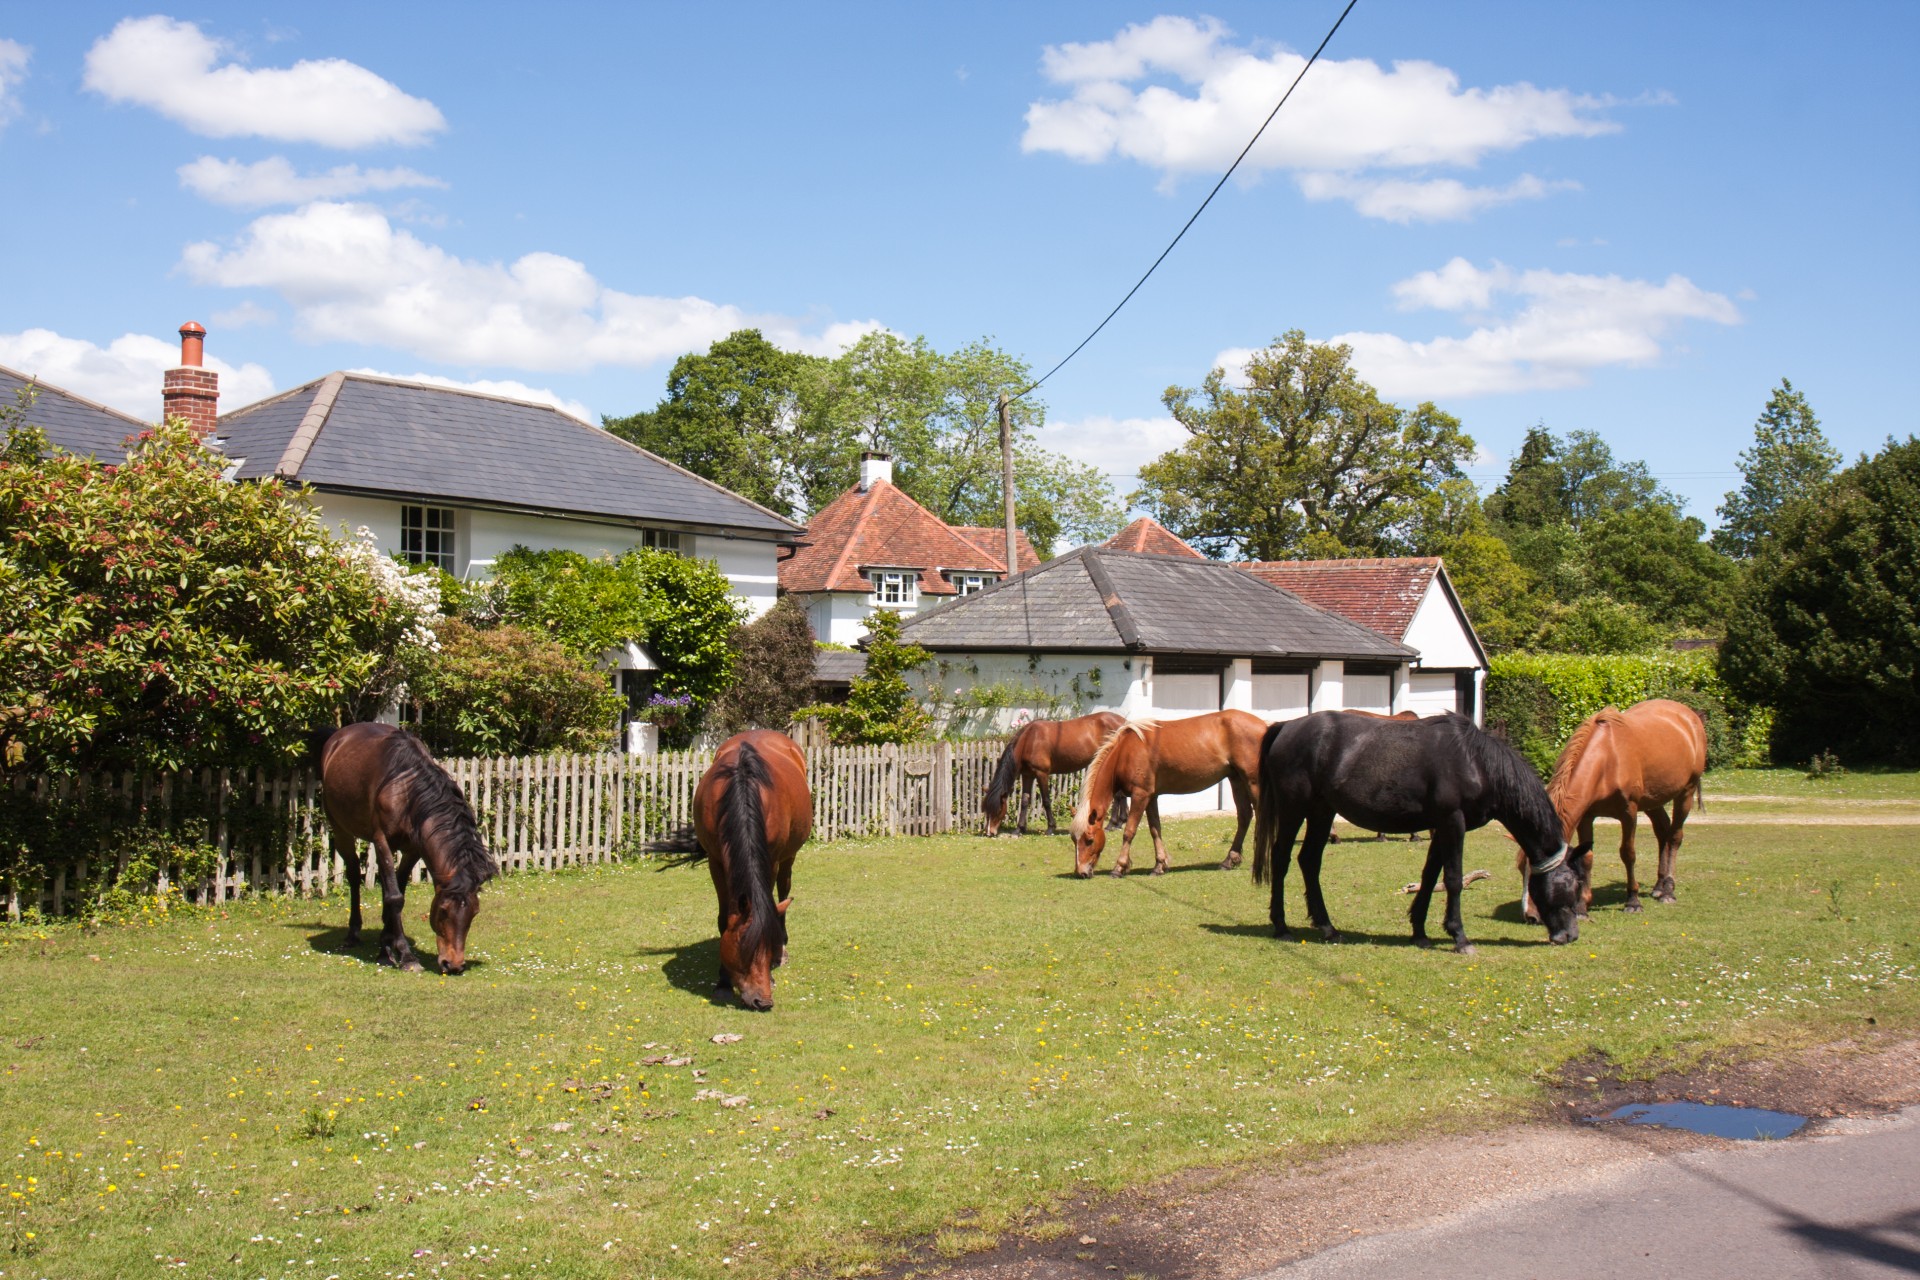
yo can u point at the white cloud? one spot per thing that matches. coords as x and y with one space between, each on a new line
350 275
1531 329
169 66
126 373
1406 200
248 314
508 387
1118 446
274 181
13 71
1177 96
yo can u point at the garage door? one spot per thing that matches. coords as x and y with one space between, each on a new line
1280 695
1369 693
1432 692
1175 697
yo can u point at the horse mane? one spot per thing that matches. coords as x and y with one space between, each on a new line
743 832
1510 778
1570 755
1083 812
435 799
1000 788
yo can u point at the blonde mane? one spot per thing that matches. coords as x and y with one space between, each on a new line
1083 811
1576 747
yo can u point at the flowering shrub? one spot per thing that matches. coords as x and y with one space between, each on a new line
155 616
504 690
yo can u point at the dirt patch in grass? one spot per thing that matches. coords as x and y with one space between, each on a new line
1236 1223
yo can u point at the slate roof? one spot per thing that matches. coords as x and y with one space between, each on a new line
76 424
364 434
832 666
1381 593
881 527
1149 535
1129 602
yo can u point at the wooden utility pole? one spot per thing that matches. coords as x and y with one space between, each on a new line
1006 478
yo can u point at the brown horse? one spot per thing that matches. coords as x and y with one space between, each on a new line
1148 757
1620 764
379 784
751 813
1041 749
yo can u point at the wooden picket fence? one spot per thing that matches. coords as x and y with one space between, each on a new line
263 831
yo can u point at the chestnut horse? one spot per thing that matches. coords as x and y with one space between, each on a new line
1148 757
1041 749
751 813
1621 764
380 784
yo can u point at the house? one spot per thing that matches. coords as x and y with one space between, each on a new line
1406 598
873 547
1148 634
73 422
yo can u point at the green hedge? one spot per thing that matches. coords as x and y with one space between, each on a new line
1537 700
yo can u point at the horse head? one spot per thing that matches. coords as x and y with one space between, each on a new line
749 955
1089 838
1553 885
451 915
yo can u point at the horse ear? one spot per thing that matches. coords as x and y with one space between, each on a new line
782 905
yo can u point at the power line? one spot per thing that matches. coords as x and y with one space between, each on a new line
1034 385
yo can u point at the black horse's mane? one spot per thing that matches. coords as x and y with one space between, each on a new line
435 799
1516 787
1000 789
743 833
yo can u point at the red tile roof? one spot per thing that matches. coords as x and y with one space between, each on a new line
992 539
881 527
1381 594
1150 536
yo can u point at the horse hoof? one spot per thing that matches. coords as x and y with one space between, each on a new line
1463 949
1281 931
1634 907
1117 872
1230 862
1329 934
412 966
1425 943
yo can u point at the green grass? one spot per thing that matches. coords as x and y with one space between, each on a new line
963 1036
1854 784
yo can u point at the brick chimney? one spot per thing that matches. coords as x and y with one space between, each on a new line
190 391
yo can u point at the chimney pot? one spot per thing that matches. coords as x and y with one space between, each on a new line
191 391
875 466
193 338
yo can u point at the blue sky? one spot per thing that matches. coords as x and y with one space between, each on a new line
1632 218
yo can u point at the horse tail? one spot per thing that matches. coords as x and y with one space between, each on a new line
317 744
743 829
1266 814
1000 789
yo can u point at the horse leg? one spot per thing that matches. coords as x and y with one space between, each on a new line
1430 876
1046 802
1663 832
394 947
1450 842
1125 860
1243 806
1026 800
356 872
1581 856
1319 828
1159 844
1118 817
1629 856
783 890
1284 835
1670 845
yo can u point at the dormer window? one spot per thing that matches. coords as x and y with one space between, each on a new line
894 588
967 583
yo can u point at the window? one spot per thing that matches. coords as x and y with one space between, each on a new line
661 540
426 536
897 588
968 583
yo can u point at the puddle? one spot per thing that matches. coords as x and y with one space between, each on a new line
1748 1123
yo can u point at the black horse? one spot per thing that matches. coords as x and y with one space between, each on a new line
1440 774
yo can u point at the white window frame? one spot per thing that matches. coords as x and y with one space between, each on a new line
967 584
905 581
427 535
662 540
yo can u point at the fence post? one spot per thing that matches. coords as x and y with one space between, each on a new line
943 786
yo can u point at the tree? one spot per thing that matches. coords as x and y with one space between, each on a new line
773 660
1571 481
1825 627
1789 461
880 706
1502 598
155 616
507 691
1305 461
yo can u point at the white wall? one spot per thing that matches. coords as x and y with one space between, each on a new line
486 535
1368 693
1437 633
838 617
1281 695
1050 686
1431 692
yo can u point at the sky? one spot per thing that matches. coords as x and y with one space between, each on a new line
1630 218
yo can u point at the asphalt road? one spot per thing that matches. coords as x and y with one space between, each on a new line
1840 1204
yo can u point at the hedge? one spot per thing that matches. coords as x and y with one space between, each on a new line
1536 700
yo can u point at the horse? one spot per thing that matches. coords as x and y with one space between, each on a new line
1440 774
1041 749
1620 764
379 783
1148 757
751 813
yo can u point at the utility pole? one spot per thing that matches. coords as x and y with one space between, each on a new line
1006 478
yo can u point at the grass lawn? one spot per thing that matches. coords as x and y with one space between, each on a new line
1794 784
963 1035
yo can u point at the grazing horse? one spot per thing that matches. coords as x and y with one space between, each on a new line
380 784
751 813
1438 774
1148 757
1620 764
1041 749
